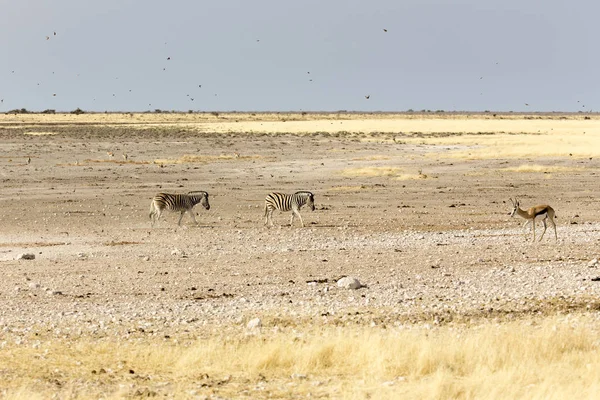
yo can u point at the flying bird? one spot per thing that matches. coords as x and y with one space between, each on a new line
54 94
168 58
54 33
385 30
527 104
47 37
368 96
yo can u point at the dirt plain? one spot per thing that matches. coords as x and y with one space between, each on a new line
426 231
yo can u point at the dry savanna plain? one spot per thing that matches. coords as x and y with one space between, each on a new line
456 301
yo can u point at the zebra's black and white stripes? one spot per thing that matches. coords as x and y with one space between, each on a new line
179 203
288 202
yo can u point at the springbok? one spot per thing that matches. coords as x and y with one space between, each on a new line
531 214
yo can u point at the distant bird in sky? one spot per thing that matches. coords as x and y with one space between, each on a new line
54 94
527 104
199 85
168 58
368 96
385 30
47 37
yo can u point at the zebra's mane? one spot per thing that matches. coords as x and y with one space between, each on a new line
306 192
198 192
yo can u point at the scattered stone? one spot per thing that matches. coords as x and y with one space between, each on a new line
349 282
298 376
178 252
26 256
34 285
593 263
254 323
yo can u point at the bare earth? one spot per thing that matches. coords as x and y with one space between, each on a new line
427 232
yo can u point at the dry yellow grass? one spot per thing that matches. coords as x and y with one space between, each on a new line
551 357
203 159
391 172
483 136
541 168
371 158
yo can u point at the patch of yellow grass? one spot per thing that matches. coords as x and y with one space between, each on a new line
203 159
391 172
372 171
347 188
541 168
40 133
556 143
550 357
371 158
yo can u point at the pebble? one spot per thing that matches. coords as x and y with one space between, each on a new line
254 323
349 282
26 256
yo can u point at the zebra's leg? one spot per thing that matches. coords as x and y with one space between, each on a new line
157 214
181 217
191 212
270 217
292 220
299 217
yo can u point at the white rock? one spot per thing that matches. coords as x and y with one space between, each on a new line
349 282
26 256
254 323
593 263
34 285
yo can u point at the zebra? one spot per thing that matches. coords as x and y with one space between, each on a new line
287 202
177 202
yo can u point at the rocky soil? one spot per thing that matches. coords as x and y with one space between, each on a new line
433 249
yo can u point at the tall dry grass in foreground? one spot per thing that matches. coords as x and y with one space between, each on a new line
549 358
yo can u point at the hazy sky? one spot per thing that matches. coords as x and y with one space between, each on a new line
256 55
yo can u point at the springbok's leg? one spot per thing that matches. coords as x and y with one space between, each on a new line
554 226
544 222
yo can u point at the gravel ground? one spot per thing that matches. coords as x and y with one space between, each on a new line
427 250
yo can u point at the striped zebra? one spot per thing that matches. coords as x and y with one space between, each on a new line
288 202
179 203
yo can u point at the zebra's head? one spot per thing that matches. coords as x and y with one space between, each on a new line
310 199
202 198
